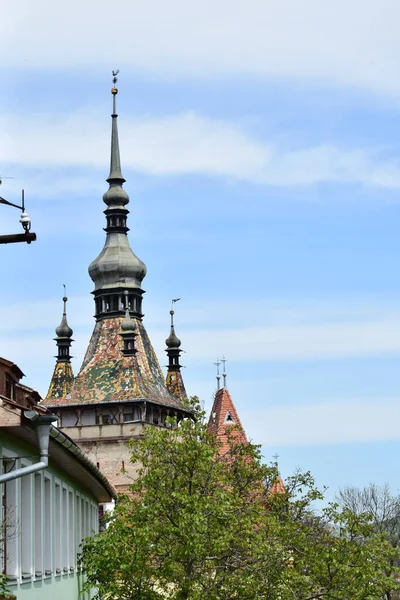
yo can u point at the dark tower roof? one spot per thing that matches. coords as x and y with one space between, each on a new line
117 266
63 376
120 363
64 331
174 379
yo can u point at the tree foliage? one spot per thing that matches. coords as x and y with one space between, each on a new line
202 523
382 510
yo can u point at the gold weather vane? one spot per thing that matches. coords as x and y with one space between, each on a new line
115 79
114 90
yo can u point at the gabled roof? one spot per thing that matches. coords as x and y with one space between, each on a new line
13 368
224 416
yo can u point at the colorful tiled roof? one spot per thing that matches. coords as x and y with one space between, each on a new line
107 375
62 380
175 385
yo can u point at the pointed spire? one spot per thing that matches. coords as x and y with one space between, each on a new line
115 175
172 341
174 379
63 376
64 335
117 268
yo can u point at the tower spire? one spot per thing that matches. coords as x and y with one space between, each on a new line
115 175
63 376
174 378
117 269
64 335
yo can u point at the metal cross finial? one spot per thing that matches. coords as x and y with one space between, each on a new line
275 457
218 375
223 360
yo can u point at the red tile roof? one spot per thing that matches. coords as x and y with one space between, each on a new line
224 416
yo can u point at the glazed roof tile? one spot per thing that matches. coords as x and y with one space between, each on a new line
107 375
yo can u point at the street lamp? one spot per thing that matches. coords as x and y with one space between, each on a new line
25 221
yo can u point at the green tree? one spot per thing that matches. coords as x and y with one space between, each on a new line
382 510
201 523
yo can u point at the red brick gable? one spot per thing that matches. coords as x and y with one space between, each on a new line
223 417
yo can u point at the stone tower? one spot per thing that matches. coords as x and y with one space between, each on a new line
120 386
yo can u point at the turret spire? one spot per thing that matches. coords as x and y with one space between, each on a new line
64 335
63 376
174 378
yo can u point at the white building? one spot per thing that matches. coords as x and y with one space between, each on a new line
46 513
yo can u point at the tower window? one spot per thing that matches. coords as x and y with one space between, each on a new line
229 419
9 388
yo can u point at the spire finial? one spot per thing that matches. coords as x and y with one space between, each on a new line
65 299
223 360
217 364
64 334
114 90
174 379
115 175
172 341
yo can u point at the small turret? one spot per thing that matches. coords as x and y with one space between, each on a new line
128 331
63 376
64 336
174 379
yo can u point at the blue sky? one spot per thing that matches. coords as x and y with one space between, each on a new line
260 141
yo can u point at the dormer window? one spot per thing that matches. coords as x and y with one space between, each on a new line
229 419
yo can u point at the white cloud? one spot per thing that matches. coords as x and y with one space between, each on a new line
350 42
185 143
313 331
351 420
299 342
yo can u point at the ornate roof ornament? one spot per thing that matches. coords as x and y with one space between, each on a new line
64 330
